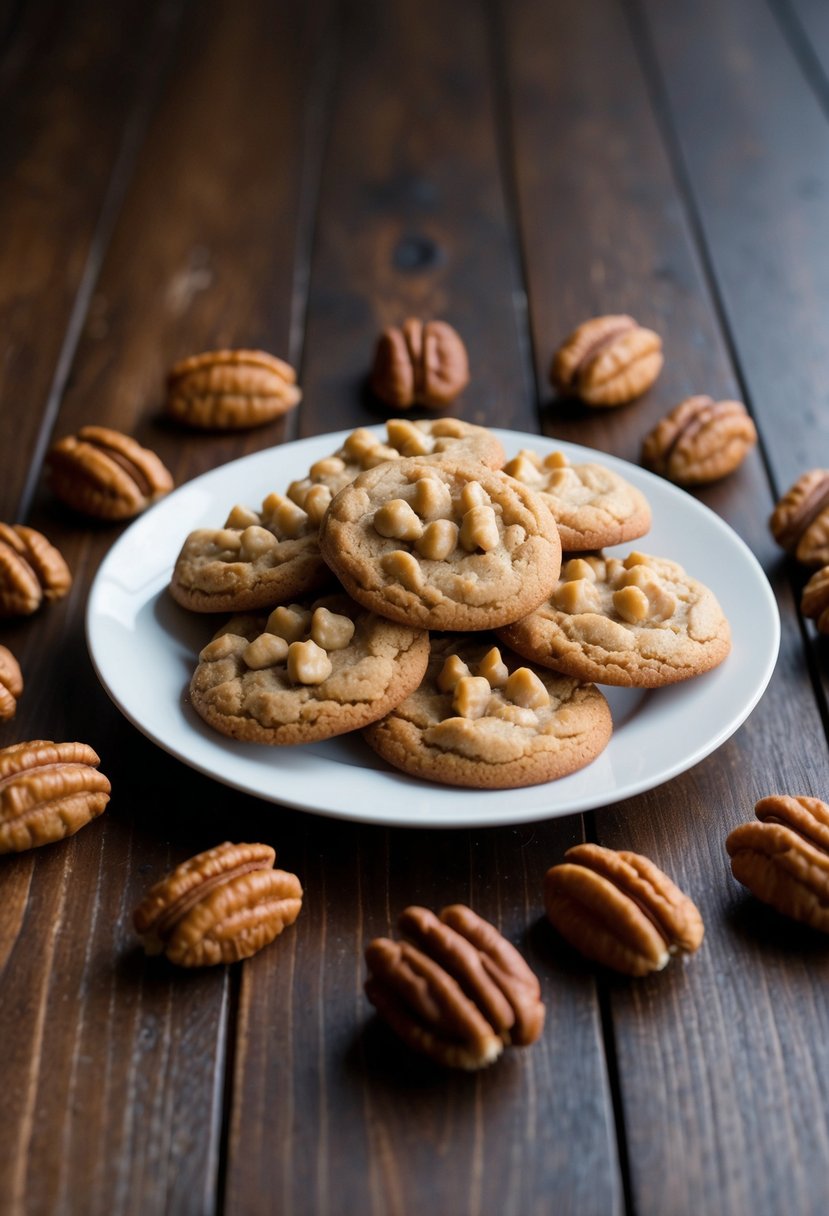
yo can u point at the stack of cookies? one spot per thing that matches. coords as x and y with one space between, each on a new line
414 588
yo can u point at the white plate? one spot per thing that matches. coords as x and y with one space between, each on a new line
144 649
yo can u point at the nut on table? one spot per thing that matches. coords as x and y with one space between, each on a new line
31 570
800 521
783 857
607 361
699 441
231 389
48 791
11 684
455 990
421 363
221 906
621 910
101 473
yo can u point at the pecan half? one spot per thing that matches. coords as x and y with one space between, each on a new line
423 363
700 440
219 907
47 791
11 684
619 909
231 389
457 991
784 858
607 361
800 521
31 570
814 602
105 474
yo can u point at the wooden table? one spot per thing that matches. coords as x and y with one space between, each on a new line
180 176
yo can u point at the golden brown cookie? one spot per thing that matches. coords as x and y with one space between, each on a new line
482 719
308 671
641 622
258 559
442 544
593 506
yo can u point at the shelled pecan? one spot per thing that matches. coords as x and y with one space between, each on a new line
422 363
800 521
231 389
11 684
814 602
783 858
457 991
31 570
221 906
700 440
607 361
104 474
47 791
619 909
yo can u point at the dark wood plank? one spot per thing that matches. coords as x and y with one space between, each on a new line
76 90
618 238
412 165
114 1065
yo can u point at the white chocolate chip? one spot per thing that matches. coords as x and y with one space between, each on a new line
241 517
632 604
256 542
509 712
526 689
329 466
453 669
285 517
402 568
431 498
577 567
308 663
524 469
471 697
379 454
298 491
265 651
290 622
635 558
316 502
227 540
555 460
493 668
479 529
221 647
447 426
358 443
331 630
439 539
396 519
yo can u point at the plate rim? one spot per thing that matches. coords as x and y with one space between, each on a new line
438 818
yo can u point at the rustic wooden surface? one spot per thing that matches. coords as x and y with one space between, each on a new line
178 175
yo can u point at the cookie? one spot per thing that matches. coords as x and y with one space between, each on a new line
442 544
481 719
308 671
641 623
258 559
439 437
593 506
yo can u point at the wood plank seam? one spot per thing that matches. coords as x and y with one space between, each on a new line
804 52
148 90
660 104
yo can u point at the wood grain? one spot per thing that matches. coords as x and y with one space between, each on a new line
412 164
115 1065
628 246
76 92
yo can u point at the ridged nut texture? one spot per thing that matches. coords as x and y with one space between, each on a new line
422 363
31 570
700 441
219 907
455 990
783 857
47 791
11 684
231 389
607 361
814 602
106 475
620 910
800 521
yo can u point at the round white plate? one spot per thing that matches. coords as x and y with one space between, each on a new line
144 649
